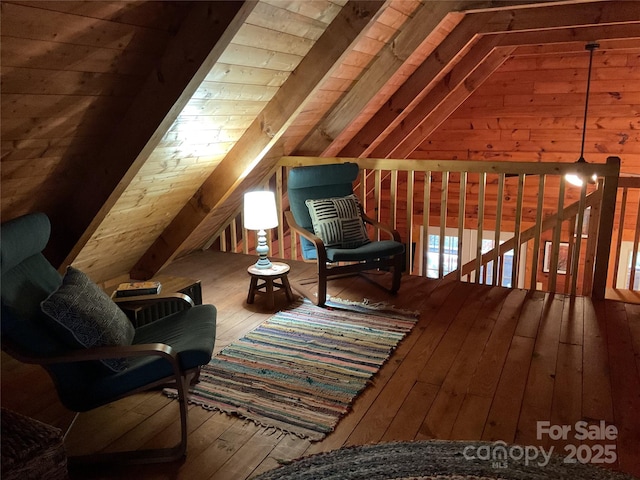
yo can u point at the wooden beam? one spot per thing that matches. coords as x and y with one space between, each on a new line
262 136
451 92
200 40
414 89
427 22
533 25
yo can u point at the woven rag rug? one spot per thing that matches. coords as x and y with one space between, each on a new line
300 371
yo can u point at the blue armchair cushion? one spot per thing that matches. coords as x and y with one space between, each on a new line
314 182
337 221
86 317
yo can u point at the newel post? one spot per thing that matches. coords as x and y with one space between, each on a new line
605 229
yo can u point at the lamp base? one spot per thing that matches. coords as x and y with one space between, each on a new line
262 249
263 263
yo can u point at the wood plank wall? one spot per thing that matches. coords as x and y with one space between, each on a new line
69 70
238 87
235 91
531 109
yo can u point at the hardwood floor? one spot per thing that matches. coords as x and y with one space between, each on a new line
483 363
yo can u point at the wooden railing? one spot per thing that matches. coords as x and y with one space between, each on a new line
542 233
627 237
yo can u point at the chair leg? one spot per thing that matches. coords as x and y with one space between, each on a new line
157 455
397 273
317 296
322 286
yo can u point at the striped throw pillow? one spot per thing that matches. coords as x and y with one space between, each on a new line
337 221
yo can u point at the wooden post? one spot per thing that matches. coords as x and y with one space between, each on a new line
605 230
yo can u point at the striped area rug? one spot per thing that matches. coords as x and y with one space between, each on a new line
300 371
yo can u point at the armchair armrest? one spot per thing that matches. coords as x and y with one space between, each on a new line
381 226
317 241
102 353
144 309
146 300
177 376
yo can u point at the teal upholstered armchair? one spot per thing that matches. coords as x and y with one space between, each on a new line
331 225
88 346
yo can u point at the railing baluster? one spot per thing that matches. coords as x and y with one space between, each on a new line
575 255
410 251
426 210
245 235
234 235
634 254
279 196
223 240
393 191
555 244
538 230
623 208
571 243
378 198
362 189
443 221
482 180
497 276
461 219
516 233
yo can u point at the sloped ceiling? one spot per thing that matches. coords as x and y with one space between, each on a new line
137 126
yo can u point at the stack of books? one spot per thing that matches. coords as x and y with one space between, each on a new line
131 289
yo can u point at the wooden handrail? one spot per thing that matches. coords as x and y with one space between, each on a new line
469 166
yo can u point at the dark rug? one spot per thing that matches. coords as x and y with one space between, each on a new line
441 460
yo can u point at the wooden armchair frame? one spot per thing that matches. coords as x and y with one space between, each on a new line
327 270
181 379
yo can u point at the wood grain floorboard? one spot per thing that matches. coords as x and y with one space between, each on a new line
482 363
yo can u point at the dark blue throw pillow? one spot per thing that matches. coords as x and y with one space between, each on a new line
87 317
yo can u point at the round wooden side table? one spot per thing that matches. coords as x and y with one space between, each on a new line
269 277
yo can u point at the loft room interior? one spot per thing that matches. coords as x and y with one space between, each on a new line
137 128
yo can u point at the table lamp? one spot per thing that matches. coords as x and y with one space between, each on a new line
260 213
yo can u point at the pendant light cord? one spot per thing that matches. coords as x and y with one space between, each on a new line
591 47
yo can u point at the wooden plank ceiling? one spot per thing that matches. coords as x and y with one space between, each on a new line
137 126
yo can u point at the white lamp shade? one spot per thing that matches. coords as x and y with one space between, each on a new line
260 211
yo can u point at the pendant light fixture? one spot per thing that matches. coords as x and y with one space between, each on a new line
572 178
